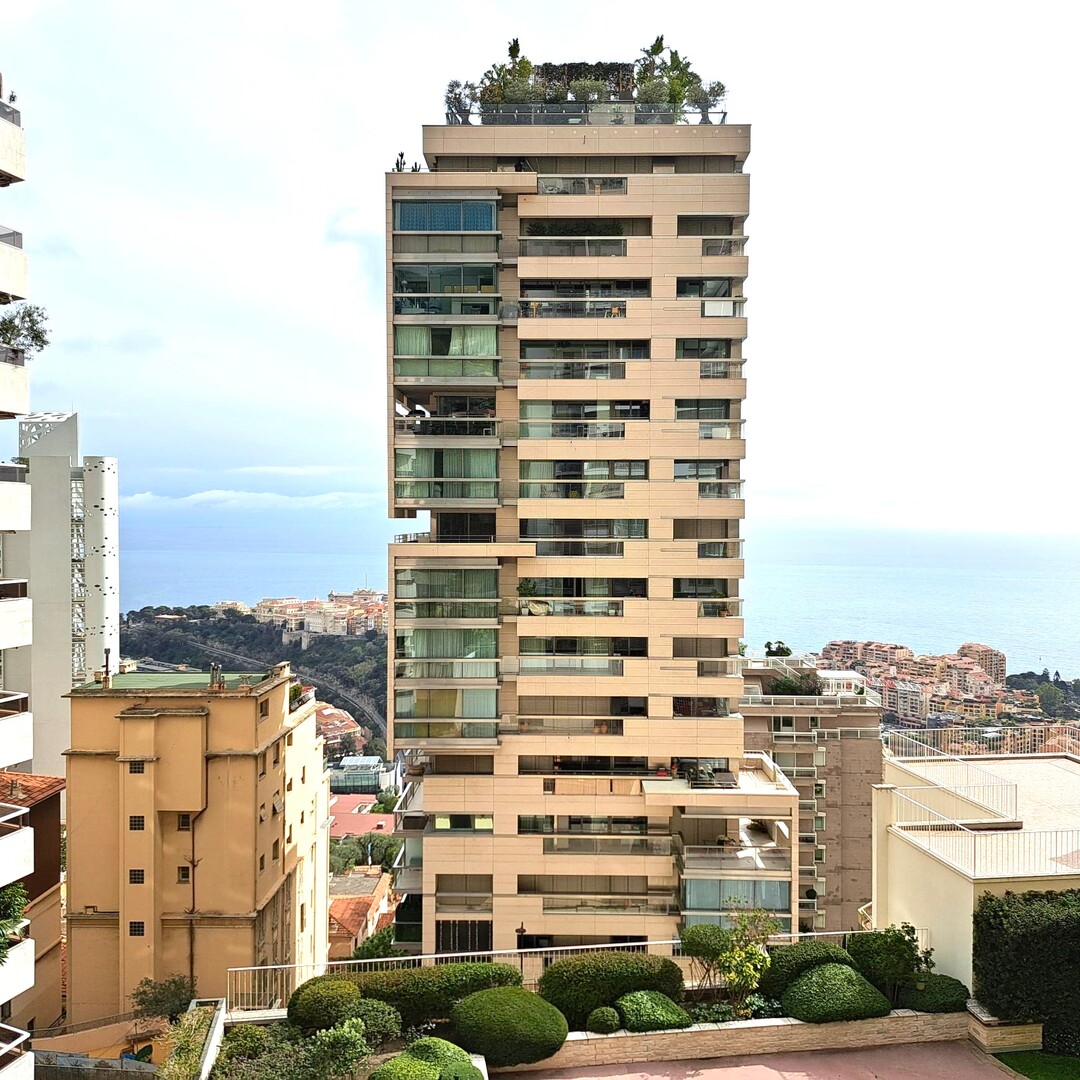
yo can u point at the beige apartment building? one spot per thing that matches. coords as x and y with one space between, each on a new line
829 746
565 314
197 839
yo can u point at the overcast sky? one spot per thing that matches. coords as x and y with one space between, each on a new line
203 217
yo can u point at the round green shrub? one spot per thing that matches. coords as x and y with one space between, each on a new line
405 1067
316 1006
382 1022
246 1041
649 1010
833 992
788 962
578 984
887 957
509 1026
460 1070
437 1052
943 993
603 1021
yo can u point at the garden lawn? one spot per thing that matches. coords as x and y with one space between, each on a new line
1042 1066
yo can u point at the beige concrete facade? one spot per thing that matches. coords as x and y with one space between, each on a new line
563 638
829 746
197 838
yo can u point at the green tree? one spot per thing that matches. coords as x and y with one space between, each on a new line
384 802
167 997
376 748
13 901
1050 698
378 946
347 746
25 327
735 957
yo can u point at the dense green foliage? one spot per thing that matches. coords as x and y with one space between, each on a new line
353 851
942 993
13 902
437 1052
405 1067
790 961
733 956
1058 697
319 1005
603 1021
649 1010
339 1050
889 958
509 1026
382 1022
460 1070
356 665
25 327
1025 956
378 946
167 997
421 994
755 1007
833 992
188 1037
578 984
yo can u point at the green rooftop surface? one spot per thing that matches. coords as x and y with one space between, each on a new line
176 680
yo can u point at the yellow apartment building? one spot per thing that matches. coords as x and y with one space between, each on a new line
963 812
197 836
565 328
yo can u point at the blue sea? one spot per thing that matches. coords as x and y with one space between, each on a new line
931 591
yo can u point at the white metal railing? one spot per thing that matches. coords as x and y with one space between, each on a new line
977 742
269 988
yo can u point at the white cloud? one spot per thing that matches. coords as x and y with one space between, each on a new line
252 500
296 470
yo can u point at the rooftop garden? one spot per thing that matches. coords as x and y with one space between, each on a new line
660 87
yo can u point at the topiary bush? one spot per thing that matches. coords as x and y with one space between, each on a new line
460 1070
509 1026
888 958
316 1006
788 962
833 992
421 994
382 1022
943 994
578 984
603 1021
437 1052
649 1010
405 1067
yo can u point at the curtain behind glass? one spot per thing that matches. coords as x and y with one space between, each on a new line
478 216
474 341
425 643
412 340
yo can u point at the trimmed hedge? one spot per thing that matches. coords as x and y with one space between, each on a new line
788 962
578 984
382 1022
421 994
887 958
461 1070
649 1010
509 1026
318 1006
437 1052
833 992
603 1021
1025 958
943 994
404 1067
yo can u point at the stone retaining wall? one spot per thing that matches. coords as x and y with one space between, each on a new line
583 1049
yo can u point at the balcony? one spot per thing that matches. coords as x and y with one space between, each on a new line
575 429
720 369
577 247
586 548
719 609
570 665
474 612
719 489
733 855
729 308
12 266
446 669
610 905
14 491
439 492
572 309
571 489
713 429
446 733
454 304
16 1061
581 185
17 971
578 113
14 383
608 845
446 427
408 872
561 725
539 607
16 730
447 370
16 613
714 246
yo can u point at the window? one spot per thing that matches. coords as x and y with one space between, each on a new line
706 707
701 469
531 824
262 764
783 723
583 410
703 529
262 863
136 877
288 739
584 528
288 836
463 823
275 853
303 917
444 215
183 822
303 775
462 936
183 875
704 225
702 348
702 409
583 646
264 708
277 752
448 341
137 823
699 588
814 721
444 278
438 704
584 350
583 470
136 767
136 929
688 288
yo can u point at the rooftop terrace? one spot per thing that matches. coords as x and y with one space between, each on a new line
184 682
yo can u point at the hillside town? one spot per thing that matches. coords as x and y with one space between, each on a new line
341 614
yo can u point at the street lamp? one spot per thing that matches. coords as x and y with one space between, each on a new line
521 932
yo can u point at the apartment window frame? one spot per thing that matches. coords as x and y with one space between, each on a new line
183 874
183 822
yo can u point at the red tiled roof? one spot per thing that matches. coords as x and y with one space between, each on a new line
28 789
351 912
348 824
385 919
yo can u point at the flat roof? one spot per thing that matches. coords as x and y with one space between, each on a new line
187 681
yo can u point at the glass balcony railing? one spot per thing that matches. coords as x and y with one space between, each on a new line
610 905
562 725
563 370
539 606
719 609
570 489
455 304
570 665
589 113
10 237
447 426
446 367
720 549
576 247
445 243
446 729
10 114
607 845
446 669
446 489
15 357
572 429
722 245
462 902
720 489
598 548
446 609
720 369
720 429
581 185
572 309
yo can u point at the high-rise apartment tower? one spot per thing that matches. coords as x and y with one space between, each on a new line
565 352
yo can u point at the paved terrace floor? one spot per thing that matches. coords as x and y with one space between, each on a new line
927 1061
